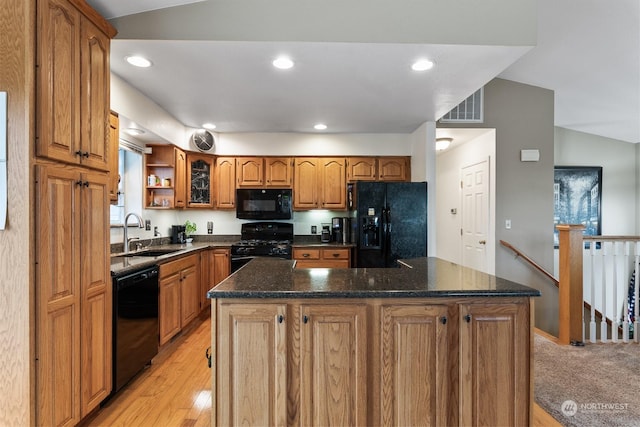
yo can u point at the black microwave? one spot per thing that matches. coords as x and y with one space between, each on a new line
263 203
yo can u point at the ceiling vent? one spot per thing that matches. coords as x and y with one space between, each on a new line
468 111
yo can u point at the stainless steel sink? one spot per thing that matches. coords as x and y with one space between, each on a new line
150 252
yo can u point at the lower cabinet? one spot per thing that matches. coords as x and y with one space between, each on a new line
406 362
318 257
179 300
215 266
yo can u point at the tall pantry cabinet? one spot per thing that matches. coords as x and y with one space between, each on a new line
73 281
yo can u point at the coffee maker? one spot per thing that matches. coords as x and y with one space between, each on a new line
341 227
178 234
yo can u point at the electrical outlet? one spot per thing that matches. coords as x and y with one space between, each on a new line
507 224
147 224
314 229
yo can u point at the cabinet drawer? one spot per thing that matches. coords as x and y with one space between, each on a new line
329 254
303 254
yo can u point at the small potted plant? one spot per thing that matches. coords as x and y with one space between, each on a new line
189 229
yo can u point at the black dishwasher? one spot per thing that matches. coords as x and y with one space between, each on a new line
135 323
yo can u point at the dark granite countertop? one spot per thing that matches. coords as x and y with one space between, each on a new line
124 264
421 277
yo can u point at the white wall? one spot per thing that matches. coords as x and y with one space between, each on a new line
448 195
423 160
618 161
225 222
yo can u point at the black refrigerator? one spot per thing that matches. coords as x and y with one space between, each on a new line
389 222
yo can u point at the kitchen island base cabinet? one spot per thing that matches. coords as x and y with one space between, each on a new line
365 361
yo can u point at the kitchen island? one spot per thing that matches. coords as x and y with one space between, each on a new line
431 343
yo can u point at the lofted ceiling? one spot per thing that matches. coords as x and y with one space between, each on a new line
588 52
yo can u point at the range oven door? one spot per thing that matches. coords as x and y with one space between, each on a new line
267 203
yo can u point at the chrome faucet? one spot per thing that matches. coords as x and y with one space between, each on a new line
125 241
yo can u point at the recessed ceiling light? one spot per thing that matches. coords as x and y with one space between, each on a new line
320 126
138 61
422 65
443 143
134 131
209 126
283 63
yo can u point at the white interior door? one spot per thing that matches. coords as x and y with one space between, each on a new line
475 215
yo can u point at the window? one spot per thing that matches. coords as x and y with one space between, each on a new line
129 187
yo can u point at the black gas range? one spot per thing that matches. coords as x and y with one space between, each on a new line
268 239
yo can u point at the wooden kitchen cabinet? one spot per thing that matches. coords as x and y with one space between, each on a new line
372 361
114 147
179 299
251 364
362 169
225 183
73 293
200 180
72 84
333 364
414 365
216 266
494 364
383 168
278 172
270 172
394 168
318 257
165 162
249 172
320 183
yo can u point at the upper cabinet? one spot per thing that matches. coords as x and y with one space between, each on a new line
255 172
72 86
225 183
165 169
319 183
378 169
200 180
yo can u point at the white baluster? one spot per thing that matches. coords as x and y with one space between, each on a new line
625 318
614 297
636 286
592 292
603 303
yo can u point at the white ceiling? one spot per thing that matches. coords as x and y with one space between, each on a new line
588 52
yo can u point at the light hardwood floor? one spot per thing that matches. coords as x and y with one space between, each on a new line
176 390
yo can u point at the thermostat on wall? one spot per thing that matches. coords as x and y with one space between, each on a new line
529 155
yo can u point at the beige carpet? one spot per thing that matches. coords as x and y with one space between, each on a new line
595 385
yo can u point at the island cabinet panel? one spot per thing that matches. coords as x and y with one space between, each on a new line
414 365
494 364
333 361
252 365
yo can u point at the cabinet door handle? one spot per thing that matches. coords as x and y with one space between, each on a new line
280 318
443 320
467 318
336 255
306 255
305 319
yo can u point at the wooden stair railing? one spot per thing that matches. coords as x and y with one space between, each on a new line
534 264
571 301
